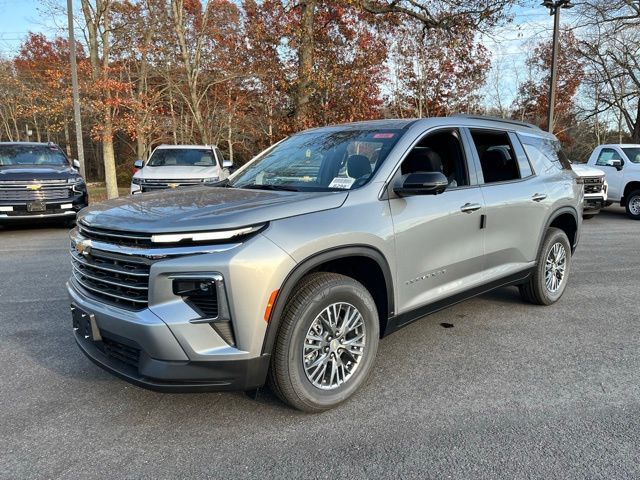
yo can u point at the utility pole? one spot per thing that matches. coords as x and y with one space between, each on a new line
554 7
74 86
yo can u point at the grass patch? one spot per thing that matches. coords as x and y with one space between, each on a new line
98 192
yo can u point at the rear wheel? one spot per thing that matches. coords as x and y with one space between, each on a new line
326 344
549 278
633 205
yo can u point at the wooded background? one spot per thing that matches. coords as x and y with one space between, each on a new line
243 74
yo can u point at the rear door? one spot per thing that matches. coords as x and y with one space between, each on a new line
438 238
516 201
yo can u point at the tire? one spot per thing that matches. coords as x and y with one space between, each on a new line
633 205
536 290
588 216
293 363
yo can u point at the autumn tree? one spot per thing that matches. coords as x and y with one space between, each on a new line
533 96
435 73
97 16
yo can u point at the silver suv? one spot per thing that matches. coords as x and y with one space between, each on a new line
290 271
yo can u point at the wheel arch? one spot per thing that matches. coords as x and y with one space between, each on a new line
566 219
628 188
335 259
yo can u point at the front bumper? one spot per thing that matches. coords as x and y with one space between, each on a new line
129 354
593 204
62 208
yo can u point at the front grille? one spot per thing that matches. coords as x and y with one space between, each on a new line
593 184
21 192
160 184
114 280
117 237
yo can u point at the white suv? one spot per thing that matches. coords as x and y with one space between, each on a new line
173 166
621 163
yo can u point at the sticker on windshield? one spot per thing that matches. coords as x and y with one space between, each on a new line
384 135
342 182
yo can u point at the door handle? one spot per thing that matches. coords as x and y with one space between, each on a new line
470 207
538 197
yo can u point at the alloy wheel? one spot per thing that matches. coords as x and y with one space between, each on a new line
555 267
334 346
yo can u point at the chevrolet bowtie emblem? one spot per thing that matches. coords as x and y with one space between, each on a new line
83 247
35 186
173 185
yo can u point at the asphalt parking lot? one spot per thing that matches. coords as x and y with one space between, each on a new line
511 391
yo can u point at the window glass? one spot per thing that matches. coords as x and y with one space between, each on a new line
439 152
319 161
606 155
183 157
523 161
545 154
632 153
497 157
31 155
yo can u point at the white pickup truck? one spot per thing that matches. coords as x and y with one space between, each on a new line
595 188
621 164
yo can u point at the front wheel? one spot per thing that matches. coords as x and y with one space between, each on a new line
633 205
326 344
550 275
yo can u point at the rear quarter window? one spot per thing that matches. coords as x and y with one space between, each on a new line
545 154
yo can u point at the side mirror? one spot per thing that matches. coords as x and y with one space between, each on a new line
421 183
76 163
227 163
138 164
617 164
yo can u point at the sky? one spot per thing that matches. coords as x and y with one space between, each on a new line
509 45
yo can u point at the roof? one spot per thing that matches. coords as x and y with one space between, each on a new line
621 145
184 147
477 121
30 144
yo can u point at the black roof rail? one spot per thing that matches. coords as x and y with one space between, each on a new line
498 119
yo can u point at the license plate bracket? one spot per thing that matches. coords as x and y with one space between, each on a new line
36 207
85 324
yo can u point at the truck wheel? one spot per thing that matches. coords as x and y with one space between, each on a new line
633 205
326 344
549 278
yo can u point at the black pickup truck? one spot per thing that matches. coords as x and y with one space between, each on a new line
37 181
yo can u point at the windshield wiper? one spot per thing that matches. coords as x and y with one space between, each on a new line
255 186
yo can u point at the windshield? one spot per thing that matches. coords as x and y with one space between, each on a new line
337 160
182 157
14 155
633 153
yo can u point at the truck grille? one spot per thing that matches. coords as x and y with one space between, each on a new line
22 192
114 280
593 184
150 185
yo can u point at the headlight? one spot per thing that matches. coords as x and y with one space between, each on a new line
75 180
137 181
204 236
210 179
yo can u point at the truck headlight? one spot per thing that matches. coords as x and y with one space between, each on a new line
137 181
210 179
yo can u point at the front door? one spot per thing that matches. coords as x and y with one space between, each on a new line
439 246
614 176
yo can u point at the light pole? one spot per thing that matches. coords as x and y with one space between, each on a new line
74 86
554 7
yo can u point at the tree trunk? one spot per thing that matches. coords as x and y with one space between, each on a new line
109 158
305 64
635 135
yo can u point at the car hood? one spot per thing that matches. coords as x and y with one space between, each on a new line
177 172
21 173
586 171
205 208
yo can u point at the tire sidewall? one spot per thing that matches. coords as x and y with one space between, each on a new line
555 236
347 292
632 195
